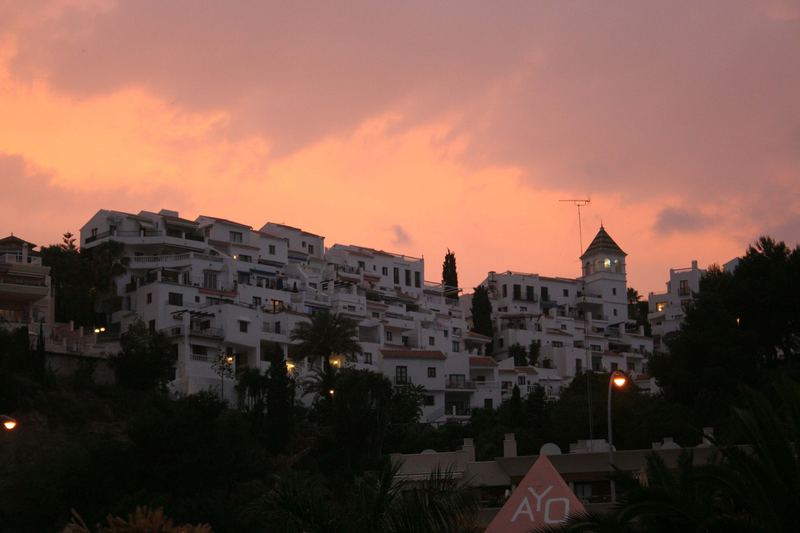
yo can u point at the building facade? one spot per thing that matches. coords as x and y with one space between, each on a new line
667 310
25 288
577 323
224 291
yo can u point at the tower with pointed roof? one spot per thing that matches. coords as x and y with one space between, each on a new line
603 266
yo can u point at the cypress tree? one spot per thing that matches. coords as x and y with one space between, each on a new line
450 275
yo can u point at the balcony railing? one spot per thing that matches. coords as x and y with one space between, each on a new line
16 258
459 384
195 331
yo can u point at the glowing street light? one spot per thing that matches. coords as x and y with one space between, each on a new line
619 380
8 422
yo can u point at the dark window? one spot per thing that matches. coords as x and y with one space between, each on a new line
431 341
388 335
614 367
566 292
614 291
408 278
529 293
456 346
310 248
417 279
385 271
487 403
175 298
428 399
431 371
505 291
631 366
243 326
236 236
396 276
152 326
367 358
597 363
520 380
404 340
271 249
683 290
149 297
257 301
517 292
578 365
401 375
245 258
362 265
545 294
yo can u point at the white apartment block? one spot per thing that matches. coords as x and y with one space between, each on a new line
25 290
221 287
579 323
667 310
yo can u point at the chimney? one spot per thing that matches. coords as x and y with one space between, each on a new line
469 450
509 445
694 264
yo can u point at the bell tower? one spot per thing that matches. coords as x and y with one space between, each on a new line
603 269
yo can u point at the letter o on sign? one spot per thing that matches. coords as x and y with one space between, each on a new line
548 519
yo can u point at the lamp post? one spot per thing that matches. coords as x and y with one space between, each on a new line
617 379
9 423
223 365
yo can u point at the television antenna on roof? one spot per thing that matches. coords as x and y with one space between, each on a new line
579 203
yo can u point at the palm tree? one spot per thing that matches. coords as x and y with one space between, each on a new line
325 335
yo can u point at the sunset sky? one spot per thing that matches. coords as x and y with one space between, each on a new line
413 126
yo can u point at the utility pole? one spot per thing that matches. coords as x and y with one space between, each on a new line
578 203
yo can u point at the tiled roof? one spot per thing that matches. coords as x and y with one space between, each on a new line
482 361
412 354
603 242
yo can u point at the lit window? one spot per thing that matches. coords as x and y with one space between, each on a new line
607 263
660 306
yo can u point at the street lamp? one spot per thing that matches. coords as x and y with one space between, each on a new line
618 379
8 422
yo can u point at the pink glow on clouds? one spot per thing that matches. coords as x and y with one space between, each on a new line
412 126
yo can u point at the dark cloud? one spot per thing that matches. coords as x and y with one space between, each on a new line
401 237
641 98
681 220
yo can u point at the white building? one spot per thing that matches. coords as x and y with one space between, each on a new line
217 286
577 322
25 289
667 310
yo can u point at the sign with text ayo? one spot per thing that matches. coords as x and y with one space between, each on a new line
541 499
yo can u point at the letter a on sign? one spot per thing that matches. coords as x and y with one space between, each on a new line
540 500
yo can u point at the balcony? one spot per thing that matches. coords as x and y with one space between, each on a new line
195 331
17 259
143 236
453 383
